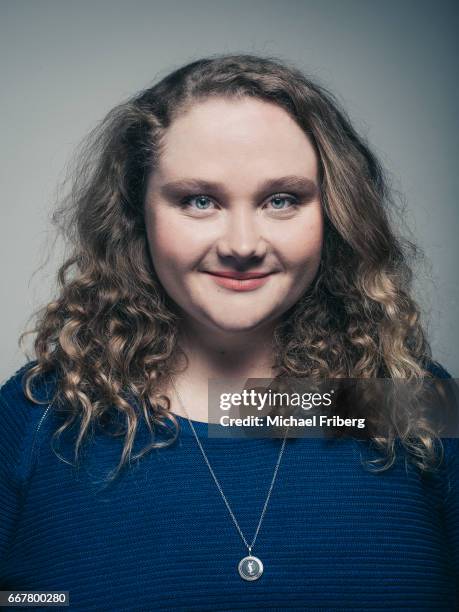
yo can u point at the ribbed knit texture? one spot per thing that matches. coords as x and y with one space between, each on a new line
334 537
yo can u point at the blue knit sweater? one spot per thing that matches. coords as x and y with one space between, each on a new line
334 537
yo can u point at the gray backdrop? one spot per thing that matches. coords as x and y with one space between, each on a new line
65 64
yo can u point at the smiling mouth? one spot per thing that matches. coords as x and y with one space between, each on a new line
238 275
247 281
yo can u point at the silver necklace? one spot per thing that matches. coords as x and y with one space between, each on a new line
249 567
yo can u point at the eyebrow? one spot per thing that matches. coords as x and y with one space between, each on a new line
281 183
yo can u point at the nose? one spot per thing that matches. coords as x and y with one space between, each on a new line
242 237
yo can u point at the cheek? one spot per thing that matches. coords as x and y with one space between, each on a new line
174 242
163 250
302 242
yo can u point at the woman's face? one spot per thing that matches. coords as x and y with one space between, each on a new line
235 193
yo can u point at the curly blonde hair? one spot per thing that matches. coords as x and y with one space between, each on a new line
111 333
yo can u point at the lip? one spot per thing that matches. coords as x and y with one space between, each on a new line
247 281
239 275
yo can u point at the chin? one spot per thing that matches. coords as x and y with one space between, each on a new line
238 325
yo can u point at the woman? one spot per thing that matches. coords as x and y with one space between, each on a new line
227 222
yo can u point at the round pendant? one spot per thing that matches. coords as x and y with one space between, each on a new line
250 568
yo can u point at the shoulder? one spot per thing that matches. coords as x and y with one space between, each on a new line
43 386
14 404
19 419
436 369
450 445
450 448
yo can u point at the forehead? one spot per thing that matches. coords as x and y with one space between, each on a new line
225 138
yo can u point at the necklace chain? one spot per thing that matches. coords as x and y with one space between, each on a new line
249 546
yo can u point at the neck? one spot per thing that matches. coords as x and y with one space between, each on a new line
218 355
229 354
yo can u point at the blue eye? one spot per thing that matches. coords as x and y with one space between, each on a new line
278 201
201 202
